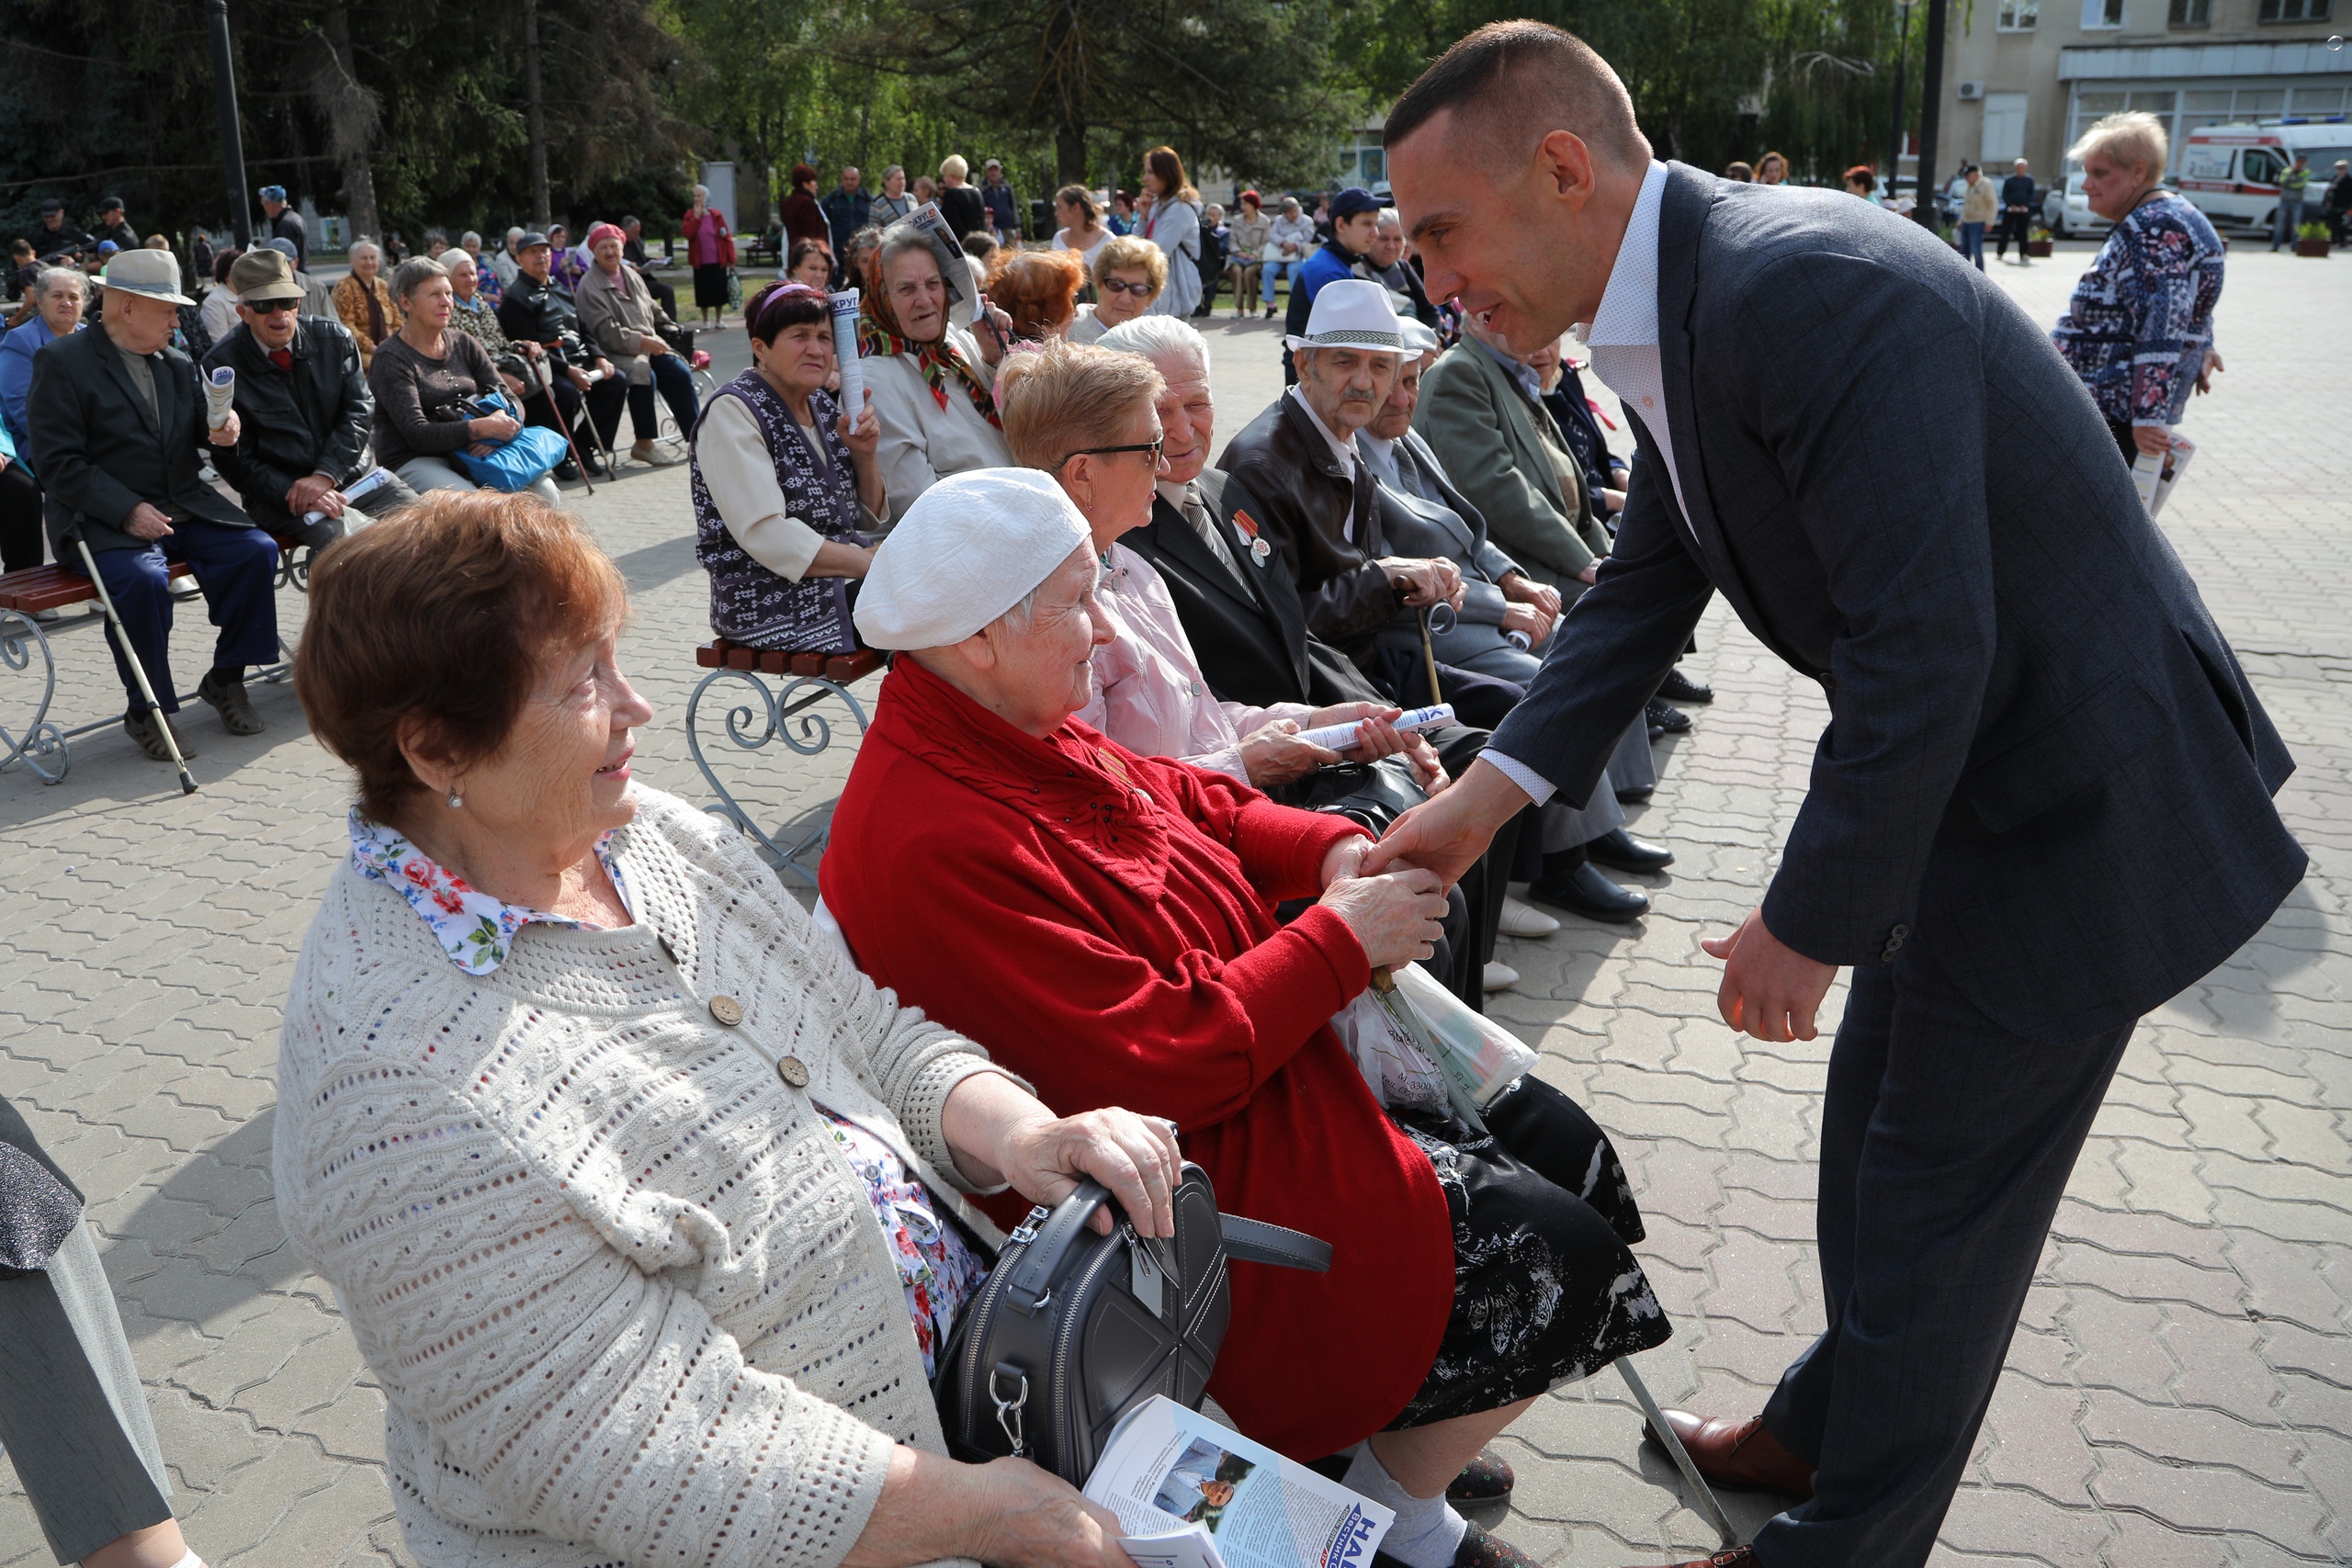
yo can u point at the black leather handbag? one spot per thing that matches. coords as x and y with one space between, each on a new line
1371 794
1071 1329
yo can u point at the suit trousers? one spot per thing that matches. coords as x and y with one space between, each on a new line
1945 1144
236 568
73 1413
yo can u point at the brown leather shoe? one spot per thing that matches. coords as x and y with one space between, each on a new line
1739 1454
1737 1557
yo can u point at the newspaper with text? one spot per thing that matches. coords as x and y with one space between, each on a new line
1190 1493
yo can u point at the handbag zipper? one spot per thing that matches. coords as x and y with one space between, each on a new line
983 1310
1065 1347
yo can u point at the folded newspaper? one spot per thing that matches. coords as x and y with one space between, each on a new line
1190 1493
2156 473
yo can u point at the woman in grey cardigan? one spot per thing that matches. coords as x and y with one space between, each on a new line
647 1209
618 315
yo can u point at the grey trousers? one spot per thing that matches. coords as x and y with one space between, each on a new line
1946 1143
72 1413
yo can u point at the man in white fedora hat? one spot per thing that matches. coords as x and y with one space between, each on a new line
119 433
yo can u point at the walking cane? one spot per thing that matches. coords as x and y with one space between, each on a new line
1428 659
546 391
139 669
1682 1457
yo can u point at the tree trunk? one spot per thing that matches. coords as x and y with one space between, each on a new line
542 209
1069 153
352 111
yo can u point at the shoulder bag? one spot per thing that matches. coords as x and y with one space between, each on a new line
1071 1329
517 462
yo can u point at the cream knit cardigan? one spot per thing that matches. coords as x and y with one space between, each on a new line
628 1301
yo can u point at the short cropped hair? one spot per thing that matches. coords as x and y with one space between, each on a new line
1068 397
2135 137
1523 80
443 616
1125 252
412 275
1037 288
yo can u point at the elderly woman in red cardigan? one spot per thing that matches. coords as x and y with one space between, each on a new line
1104 923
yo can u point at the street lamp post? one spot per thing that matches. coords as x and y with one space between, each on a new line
1931 103
1902 67
232 142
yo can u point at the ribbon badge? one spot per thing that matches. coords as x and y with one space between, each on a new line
1260 551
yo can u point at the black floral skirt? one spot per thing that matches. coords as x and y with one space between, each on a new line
1545 1288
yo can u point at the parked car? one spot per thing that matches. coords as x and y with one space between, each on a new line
2066 211
2231 172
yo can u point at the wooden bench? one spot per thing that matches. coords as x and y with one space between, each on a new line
42 746
801 681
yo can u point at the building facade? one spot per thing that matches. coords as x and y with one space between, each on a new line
2030 75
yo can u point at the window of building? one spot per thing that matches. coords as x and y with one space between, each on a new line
2192 13
2102 15
2296 10
2019 15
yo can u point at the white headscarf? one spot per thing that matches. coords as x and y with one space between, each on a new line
971 548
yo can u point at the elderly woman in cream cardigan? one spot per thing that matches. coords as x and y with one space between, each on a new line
646 1208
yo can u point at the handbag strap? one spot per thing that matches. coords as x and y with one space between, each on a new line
1255 1241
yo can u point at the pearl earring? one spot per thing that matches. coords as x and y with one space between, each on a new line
456 800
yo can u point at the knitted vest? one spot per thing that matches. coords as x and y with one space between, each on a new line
749 603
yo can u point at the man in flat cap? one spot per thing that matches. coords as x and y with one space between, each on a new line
303 408
118 429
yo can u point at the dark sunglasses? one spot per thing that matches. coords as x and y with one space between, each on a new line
1153 448
270 307
1116 287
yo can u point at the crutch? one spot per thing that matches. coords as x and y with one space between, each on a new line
139 669
1682 1457
546 391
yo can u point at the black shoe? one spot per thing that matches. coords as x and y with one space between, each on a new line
236 708
1585 892
1667 717
1636 796
567 472
1620 850
1486 1482
1680 688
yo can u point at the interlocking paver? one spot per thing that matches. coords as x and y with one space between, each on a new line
2180 1388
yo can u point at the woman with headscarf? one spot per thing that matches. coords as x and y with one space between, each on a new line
785 485
1170 217
934 384
617 314
710 251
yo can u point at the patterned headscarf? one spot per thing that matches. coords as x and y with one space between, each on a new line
878 333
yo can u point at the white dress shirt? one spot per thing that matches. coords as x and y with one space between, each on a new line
1624 340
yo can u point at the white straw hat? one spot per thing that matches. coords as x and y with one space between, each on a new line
154 274
1352 312
968 549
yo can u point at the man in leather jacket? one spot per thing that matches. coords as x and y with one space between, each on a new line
538 310
303 408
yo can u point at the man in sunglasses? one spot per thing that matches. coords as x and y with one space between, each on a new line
303 408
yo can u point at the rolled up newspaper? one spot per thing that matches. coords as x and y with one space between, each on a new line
366 484
1338 737
220 394
853 398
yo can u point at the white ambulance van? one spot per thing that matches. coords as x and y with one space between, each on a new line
2229 173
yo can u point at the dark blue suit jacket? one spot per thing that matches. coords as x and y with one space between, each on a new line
2042 753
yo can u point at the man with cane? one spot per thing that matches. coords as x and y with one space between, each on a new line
2042 804
119 431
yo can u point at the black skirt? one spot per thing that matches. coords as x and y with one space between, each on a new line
710 287
1545 1288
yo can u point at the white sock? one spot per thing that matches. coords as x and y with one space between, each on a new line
1426 1533
190 1560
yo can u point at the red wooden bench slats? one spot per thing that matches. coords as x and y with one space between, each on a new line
840 668
54 588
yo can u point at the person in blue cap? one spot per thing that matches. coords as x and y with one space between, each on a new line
285 223
1355 221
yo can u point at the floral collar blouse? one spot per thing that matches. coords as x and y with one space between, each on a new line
937 1268
2143 316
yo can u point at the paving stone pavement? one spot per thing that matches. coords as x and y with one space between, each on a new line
2180 1390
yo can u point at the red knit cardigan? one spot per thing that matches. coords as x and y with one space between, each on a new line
1103 924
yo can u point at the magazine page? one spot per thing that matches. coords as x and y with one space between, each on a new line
1166 1469
2176 464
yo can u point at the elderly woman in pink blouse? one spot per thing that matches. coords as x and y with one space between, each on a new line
1089 417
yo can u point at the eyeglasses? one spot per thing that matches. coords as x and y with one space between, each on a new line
270 307
1118 285
1153 448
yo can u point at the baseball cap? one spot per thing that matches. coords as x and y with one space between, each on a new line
531 239
283 246
272 193
1353 200
52 205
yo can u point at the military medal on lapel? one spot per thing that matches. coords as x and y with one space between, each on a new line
1260 551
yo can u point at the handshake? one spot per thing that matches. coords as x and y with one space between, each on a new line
1397 915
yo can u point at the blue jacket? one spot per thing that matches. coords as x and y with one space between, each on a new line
17 351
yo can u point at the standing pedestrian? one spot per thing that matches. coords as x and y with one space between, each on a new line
1170 217
958 202
1977 208
2339 199
285 223
1972 844
2017 210
710 251
2291 187
1003 208
846 207
893 203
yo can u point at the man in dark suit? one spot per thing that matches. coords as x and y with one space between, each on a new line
2042 804
117 423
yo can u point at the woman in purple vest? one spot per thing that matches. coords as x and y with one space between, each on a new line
785 485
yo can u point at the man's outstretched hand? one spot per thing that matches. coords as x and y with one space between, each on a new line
1449 831
1769 990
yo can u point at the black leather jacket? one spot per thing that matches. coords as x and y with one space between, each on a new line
311 420
543 314
1309 502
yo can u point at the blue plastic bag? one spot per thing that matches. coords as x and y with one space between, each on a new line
518 462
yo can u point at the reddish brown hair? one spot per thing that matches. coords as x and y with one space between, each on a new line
1037 288
445 613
